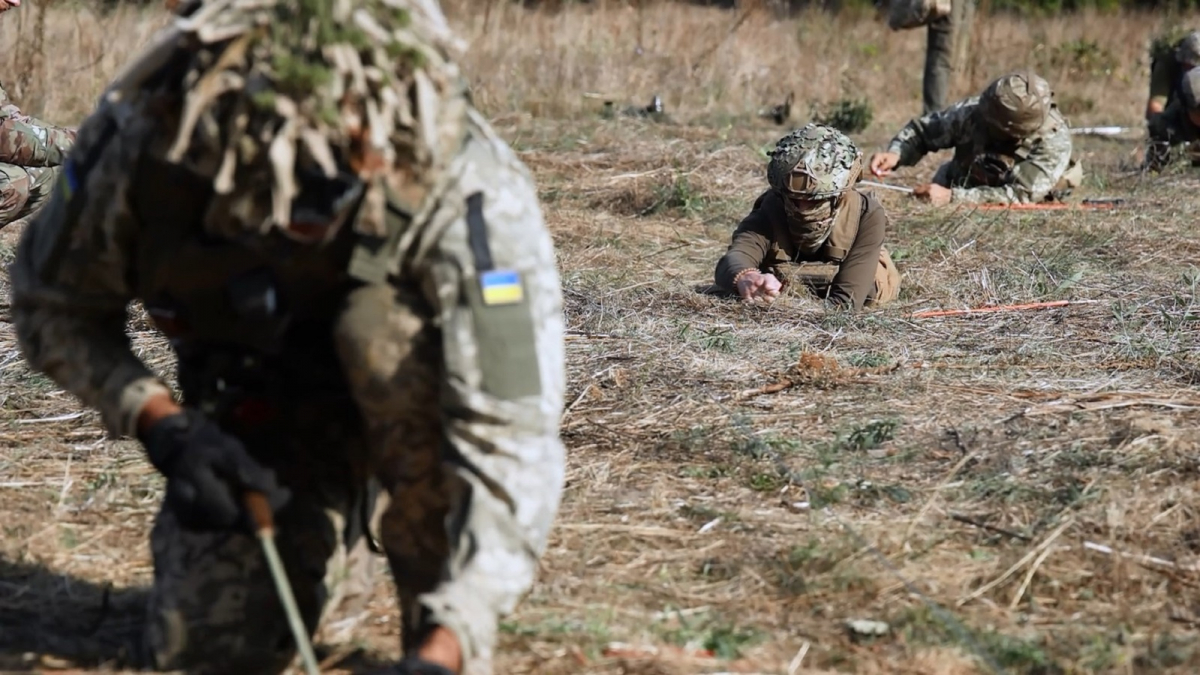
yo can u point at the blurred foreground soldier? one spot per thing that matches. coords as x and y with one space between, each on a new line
30 153
1168 63
1178 127
354 273
812 226
1010 145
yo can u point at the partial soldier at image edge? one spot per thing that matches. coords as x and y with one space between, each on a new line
358 284
31 152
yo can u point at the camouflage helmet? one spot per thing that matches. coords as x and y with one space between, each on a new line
260 95
1188 49
1190 88
815 162
1016 104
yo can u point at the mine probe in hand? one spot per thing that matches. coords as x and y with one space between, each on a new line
264 529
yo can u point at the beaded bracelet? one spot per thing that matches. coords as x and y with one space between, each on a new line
738 277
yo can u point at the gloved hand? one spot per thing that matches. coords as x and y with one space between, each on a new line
208 472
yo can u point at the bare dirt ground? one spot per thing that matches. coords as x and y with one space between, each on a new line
1008 492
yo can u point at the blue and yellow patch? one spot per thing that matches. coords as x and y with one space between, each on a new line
69 182
501 287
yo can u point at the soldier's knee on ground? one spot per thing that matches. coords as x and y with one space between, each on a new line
887 280
15 185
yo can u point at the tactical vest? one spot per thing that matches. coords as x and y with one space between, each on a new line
836 247
252 316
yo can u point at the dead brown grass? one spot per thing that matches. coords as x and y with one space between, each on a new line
941 475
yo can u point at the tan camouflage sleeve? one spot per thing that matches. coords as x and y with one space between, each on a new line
26 141
939 130
71 282
1033 178
749 247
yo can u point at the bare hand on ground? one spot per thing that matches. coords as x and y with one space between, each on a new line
756 286
933 193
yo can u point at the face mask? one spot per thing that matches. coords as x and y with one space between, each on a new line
809 221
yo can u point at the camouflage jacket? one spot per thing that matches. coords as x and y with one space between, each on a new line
1040 160
99 243
762 241
27 141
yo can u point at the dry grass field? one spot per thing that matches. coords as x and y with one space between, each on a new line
1008 492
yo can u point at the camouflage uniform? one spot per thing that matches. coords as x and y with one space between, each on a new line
988 166
30 152
813 227
416 346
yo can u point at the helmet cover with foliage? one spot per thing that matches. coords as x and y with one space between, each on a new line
1016 104
269 98
812 168
1188 49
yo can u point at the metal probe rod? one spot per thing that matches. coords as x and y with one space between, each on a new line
264 529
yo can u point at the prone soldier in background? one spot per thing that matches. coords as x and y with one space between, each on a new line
354 273
1010 144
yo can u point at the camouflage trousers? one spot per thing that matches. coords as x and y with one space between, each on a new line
952 175
456 380
23 190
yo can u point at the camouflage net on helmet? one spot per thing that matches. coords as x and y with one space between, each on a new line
828 162
366 85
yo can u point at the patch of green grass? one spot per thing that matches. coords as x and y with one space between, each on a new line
726 640
677 195
766 481
848 115
869 435
920 625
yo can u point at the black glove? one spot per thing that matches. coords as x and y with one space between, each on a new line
208 472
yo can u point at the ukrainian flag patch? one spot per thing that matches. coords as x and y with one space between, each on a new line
69 181
501 287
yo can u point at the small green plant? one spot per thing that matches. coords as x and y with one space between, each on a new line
870 435
726 641
679 195
849 116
